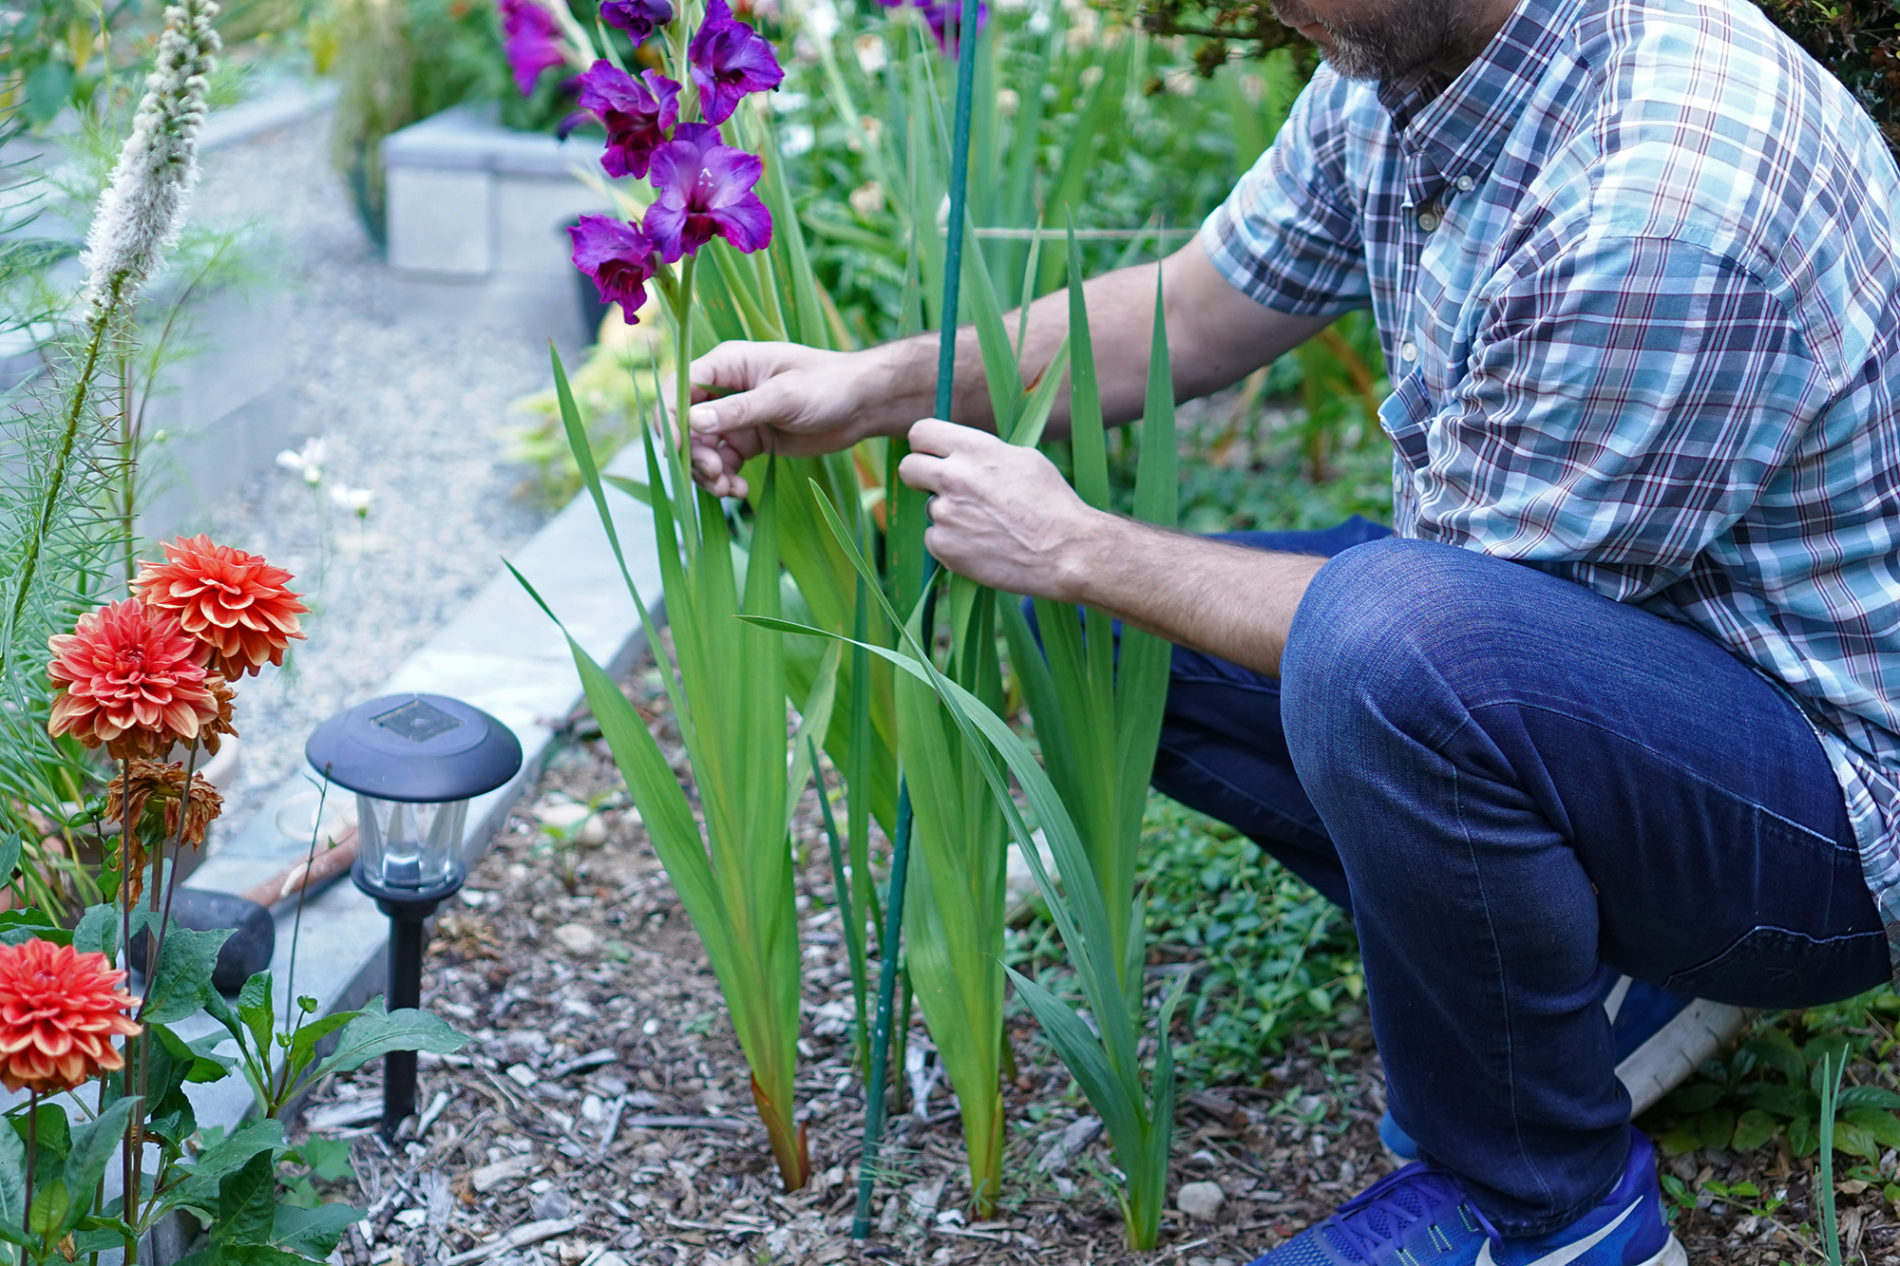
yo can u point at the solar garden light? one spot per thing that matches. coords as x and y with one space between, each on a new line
414 762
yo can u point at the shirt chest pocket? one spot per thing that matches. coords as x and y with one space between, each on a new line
1406 416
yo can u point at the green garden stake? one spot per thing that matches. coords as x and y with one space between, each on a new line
965 33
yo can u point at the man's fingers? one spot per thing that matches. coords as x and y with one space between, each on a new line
921 471
937 437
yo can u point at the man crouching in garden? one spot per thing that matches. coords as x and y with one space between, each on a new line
1619 693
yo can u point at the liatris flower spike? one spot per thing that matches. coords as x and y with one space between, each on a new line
729 60
128 679
143 208
532 41
704 190
638 18
234 603
637 113
59 1011
618 257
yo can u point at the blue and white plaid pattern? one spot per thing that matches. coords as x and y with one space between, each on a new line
1637 271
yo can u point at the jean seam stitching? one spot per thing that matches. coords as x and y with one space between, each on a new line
1674 764
1504 993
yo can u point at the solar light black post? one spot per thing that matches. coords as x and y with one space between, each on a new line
414 762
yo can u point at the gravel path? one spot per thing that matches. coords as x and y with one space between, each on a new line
416 412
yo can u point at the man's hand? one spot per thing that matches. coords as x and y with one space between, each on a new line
1000 514
752 398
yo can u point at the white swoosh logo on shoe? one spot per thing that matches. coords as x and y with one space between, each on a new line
1569 1252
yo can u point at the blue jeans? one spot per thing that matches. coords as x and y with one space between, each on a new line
1520 789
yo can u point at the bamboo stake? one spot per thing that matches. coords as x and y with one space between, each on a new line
965 31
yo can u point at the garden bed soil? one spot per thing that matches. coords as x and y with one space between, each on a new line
601 1114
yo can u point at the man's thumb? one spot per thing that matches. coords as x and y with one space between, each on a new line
731 413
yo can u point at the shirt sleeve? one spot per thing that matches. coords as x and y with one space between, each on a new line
1628 402
1288 236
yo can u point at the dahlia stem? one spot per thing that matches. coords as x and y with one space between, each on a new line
128 1171
32 1154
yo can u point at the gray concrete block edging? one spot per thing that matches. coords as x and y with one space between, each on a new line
502 654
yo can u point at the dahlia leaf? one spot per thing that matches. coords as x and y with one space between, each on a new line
257 1011
182 976
376 1032
98 932
26 925
316 1232
94 1143
247 1202
55 1131
12 1177
51 1204
199 1190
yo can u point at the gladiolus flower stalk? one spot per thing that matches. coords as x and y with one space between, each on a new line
900 858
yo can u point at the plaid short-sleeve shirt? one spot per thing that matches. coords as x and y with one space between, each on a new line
1637 272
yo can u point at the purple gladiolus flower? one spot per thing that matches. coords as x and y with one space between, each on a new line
705 191
618 257
637 113
638 18
533 43
729 59
944 16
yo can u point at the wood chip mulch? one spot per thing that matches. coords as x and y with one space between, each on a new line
601 1113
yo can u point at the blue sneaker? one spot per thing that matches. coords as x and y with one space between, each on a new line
1660 1037
1421 1217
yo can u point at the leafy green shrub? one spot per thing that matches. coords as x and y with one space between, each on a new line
1266 955
1770 1086
1859 40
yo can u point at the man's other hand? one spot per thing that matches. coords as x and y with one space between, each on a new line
752 398
1000 514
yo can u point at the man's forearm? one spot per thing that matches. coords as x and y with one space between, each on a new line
1216 336
1223 599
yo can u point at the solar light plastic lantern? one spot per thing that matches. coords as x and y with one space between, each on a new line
414 762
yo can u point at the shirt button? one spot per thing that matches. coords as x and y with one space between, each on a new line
1466 184
1428 219
1408 351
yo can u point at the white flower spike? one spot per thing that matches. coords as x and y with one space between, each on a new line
143 209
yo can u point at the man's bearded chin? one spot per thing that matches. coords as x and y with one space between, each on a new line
1406 35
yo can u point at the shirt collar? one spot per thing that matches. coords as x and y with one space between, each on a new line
1456 127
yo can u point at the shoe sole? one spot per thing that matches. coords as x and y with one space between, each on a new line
1676 1050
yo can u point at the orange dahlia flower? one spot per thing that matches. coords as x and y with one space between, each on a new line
129 680
233 602
59 1011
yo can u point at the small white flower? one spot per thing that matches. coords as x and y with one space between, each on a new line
306 462
870 52
355 500
867 199
821 19
795 139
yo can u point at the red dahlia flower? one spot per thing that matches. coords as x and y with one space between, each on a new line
129 680
233 602
59 1011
